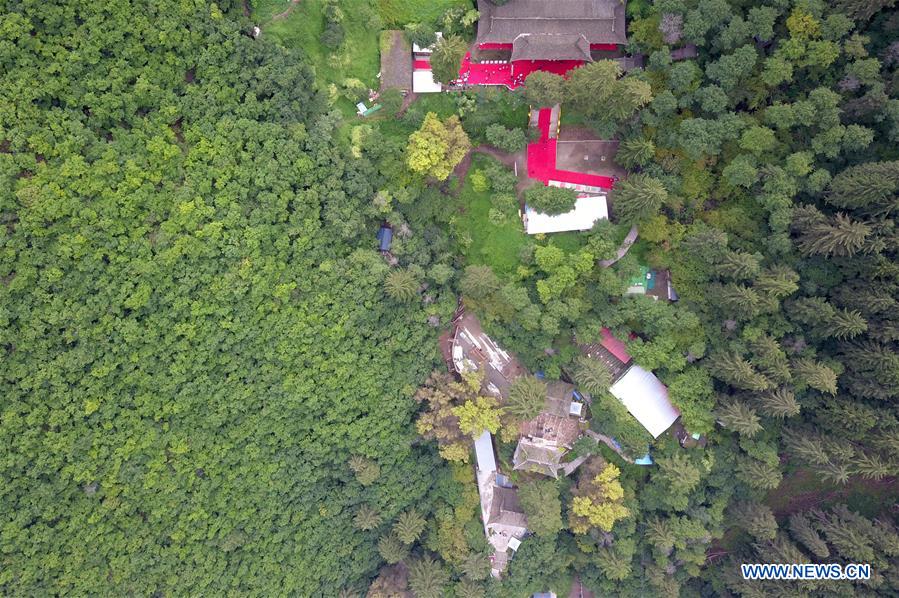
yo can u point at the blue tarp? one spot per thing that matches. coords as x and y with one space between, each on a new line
647 460
385 236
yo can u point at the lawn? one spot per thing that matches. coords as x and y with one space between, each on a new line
496 245
397 13
358 57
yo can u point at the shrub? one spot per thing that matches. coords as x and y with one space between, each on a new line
508 140
550 200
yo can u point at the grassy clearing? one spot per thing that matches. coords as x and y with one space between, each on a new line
397 13
801 490
484 242
357 57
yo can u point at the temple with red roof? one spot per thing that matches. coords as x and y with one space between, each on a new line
551 30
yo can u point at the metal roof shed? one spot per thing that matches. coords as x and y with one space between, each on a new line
646 398
483 448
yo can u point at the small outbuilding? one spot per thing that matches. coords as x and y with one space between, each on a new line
385 237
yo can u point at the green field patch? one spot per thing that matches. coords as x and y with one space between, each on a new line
397 13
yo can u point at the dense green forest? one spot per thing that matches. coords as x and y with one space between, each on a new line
213 383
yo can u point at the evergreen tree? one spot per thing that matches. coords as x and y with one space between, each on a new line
446 58
816 375
847 324
780 403
476 566
427 578
467 588
638 199
805 532
591 375
478 282
808 448
777 281
392 549
769 357
737 372
635 152
366 470
872 467
367 518
409 526
872 186
738 266
740 418
839 236
527 397
401 285
758 474
739 302
756 518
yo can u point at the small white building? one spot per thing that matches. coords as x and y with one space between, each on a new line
423 82
646 398
587 210
422 76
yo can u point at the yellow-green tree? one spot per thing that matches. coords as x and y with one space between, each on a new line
437 147
598 500
477 415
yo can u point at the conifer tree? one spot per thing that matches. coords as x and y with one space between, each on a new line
737 265
427 578
476 566
756 518
527 397
739 302
808 448
847 324
591 375
739 417
736 371
778 281
839 236
769 357
367 518
758 474
401 285
638 198
366 470
834 471
871 186
392 549
635 152
466 588
804 531
871 466
660 534
409 526
780 403
816 375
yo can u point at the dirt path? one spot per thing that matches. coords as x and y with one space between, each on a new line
283 15
623 249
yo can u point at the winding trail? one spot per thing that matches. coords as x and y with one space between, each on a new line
623 249
284 14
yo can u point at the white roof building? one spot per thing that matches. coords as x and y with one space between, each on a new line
587 210
646 398
483 449
423 82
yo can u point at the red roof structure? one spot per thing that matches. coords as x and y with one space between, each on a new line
614 346
542 160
